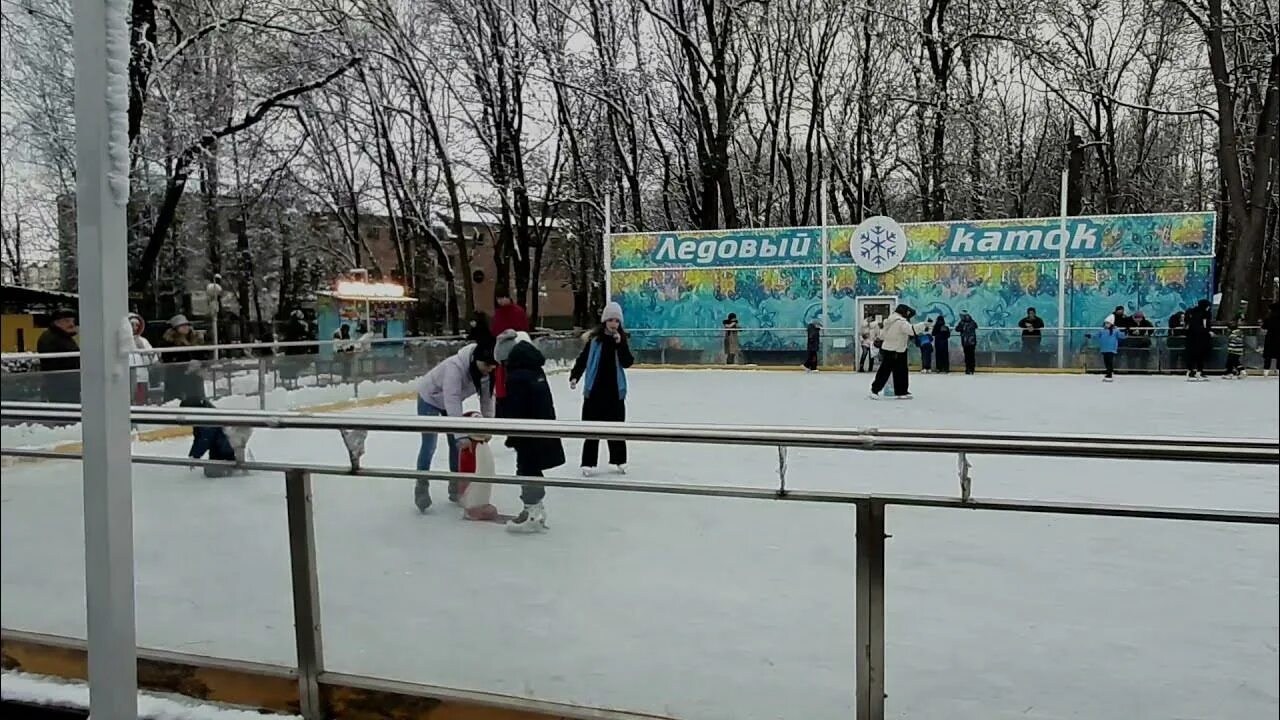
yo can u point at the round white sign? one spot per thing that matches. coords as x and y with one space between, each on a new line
878 244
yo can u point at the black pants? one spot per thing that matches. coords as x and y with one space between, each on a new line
926 357
1031 350
604 410
863 358
1196 353
942 357
1266 362
970 358
1234 364
730 358
1109 361
811 360
895 364
532 493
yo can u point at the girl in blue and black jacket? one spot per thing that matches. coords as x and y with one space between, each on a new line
601 367
1109 344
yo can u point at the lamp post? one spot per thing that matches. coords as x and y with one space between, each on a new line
213 291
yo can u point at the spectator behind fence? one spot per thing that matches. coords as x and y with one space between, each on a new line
1031 326
61 379
140 361
968 329
732 344
1271 343
1140 339
181 369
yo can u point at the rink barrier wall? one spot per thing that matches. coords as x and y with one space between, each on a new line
275 688
313 686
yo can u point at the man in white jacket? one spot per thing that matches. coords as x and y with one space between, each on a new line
442 392
895 337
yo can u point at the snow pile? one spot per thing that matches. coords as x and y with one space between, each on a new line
40 690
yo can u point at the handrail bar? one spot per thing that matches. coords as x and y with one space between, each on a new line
1247 451
1248 517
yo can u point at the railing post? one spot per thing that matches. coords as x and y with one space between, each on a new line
306 592
262 382
869 626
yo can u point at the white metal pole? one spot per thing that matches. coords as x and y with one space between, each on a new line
826 261
1062 274
101 38
606 249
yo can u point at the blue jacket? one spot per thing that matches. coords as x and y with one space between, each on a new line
1109 339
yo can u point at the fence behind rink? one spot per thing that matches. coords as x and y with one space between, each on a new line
256 370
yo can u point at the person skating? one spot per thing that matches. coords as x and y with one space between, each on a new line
925 340
941 345
61 376
813 343
1235 352
1109 344
529 397
968 329
1031 326
441 392
601 368
1271 343
732 344
1199 339
896 336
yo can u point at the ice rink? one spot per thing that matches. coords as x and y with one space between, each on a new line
732 609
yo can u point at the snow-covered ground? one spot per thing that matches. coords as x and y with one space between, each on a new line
733 609
39 690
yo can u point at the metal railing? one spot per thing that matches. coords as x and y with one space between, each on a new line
870 507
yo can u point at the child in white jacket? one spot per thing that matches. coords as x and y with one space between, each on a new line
138 361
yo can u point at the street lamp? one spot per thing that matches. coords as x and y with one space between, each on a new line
213 291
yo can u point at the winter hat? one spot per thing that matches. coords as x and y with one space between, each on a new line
1110 320
135 316
905 310
483 353
178 321
612 311
62 314
507 342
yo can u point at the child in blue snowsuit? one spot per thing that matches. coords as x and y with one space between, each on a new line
1109 344
211 439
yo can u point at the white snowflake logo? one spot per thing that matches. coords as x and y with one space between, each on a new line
880 244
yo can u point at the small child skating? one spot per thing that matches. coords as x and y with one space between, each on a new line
1235 352
1109 344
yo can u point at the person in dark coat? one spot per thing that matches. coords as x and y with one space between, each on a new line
1199 322
478 329
529 398
968 329
295 330
600 367
61 378
813 343
1271 343
732 344
1031 326
1140 340
941 345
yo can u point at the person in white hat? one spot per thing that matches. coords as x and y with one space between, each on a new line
601 369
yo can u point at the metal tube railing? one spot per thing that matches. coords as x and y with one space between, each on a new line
871 507
1182 449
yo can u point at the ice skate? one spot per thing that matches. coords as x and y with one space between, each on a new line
620 468
904 396
422 495
1108 379
533 519
588 471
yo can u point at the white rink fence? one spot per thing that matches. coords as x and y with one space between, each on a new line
788 487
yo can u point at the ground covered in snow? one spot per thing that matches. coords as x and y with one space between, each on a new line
39 690
729 609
